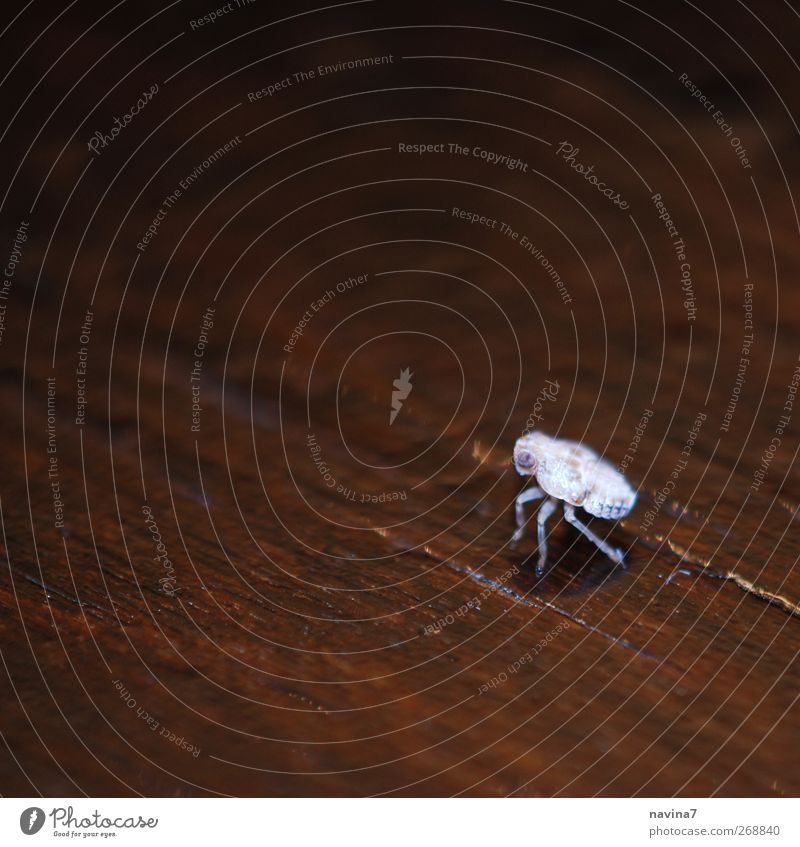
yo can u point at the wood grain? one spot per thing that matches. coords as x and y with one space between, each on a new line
324 642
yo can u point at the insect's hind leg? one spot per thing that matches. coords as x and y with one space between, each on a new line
532 493
547 509
613 553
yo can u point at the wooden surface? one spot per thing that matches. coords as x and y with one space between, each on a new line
340 642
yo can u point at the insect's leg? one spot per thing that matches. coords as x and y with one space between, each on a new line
614 554
547 508
532 493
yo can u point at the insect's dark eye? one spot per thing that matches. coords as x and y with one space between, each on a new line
525 459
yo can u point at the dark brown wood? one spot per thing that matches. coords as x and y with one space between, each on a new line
320 642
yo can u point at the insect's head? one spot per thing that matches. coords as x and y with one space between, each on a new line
525 460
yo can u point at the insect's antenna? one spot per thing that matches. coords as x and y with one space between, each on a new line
486 456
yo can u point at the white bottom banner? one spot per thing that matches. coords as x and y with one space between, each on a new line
402 822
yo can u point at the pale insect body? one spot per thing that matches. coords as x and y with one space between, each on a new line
573 473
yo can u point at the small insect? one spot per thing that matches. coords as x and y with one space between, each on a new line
569 471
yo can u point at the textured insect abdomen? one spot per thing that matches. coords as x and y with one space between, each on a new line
610 496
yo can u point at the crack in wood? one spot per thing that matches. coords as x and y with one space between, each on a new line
540 604
757 591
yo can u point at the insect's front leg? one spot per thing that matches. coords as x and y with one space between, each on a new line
547 509
616 555
532 493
